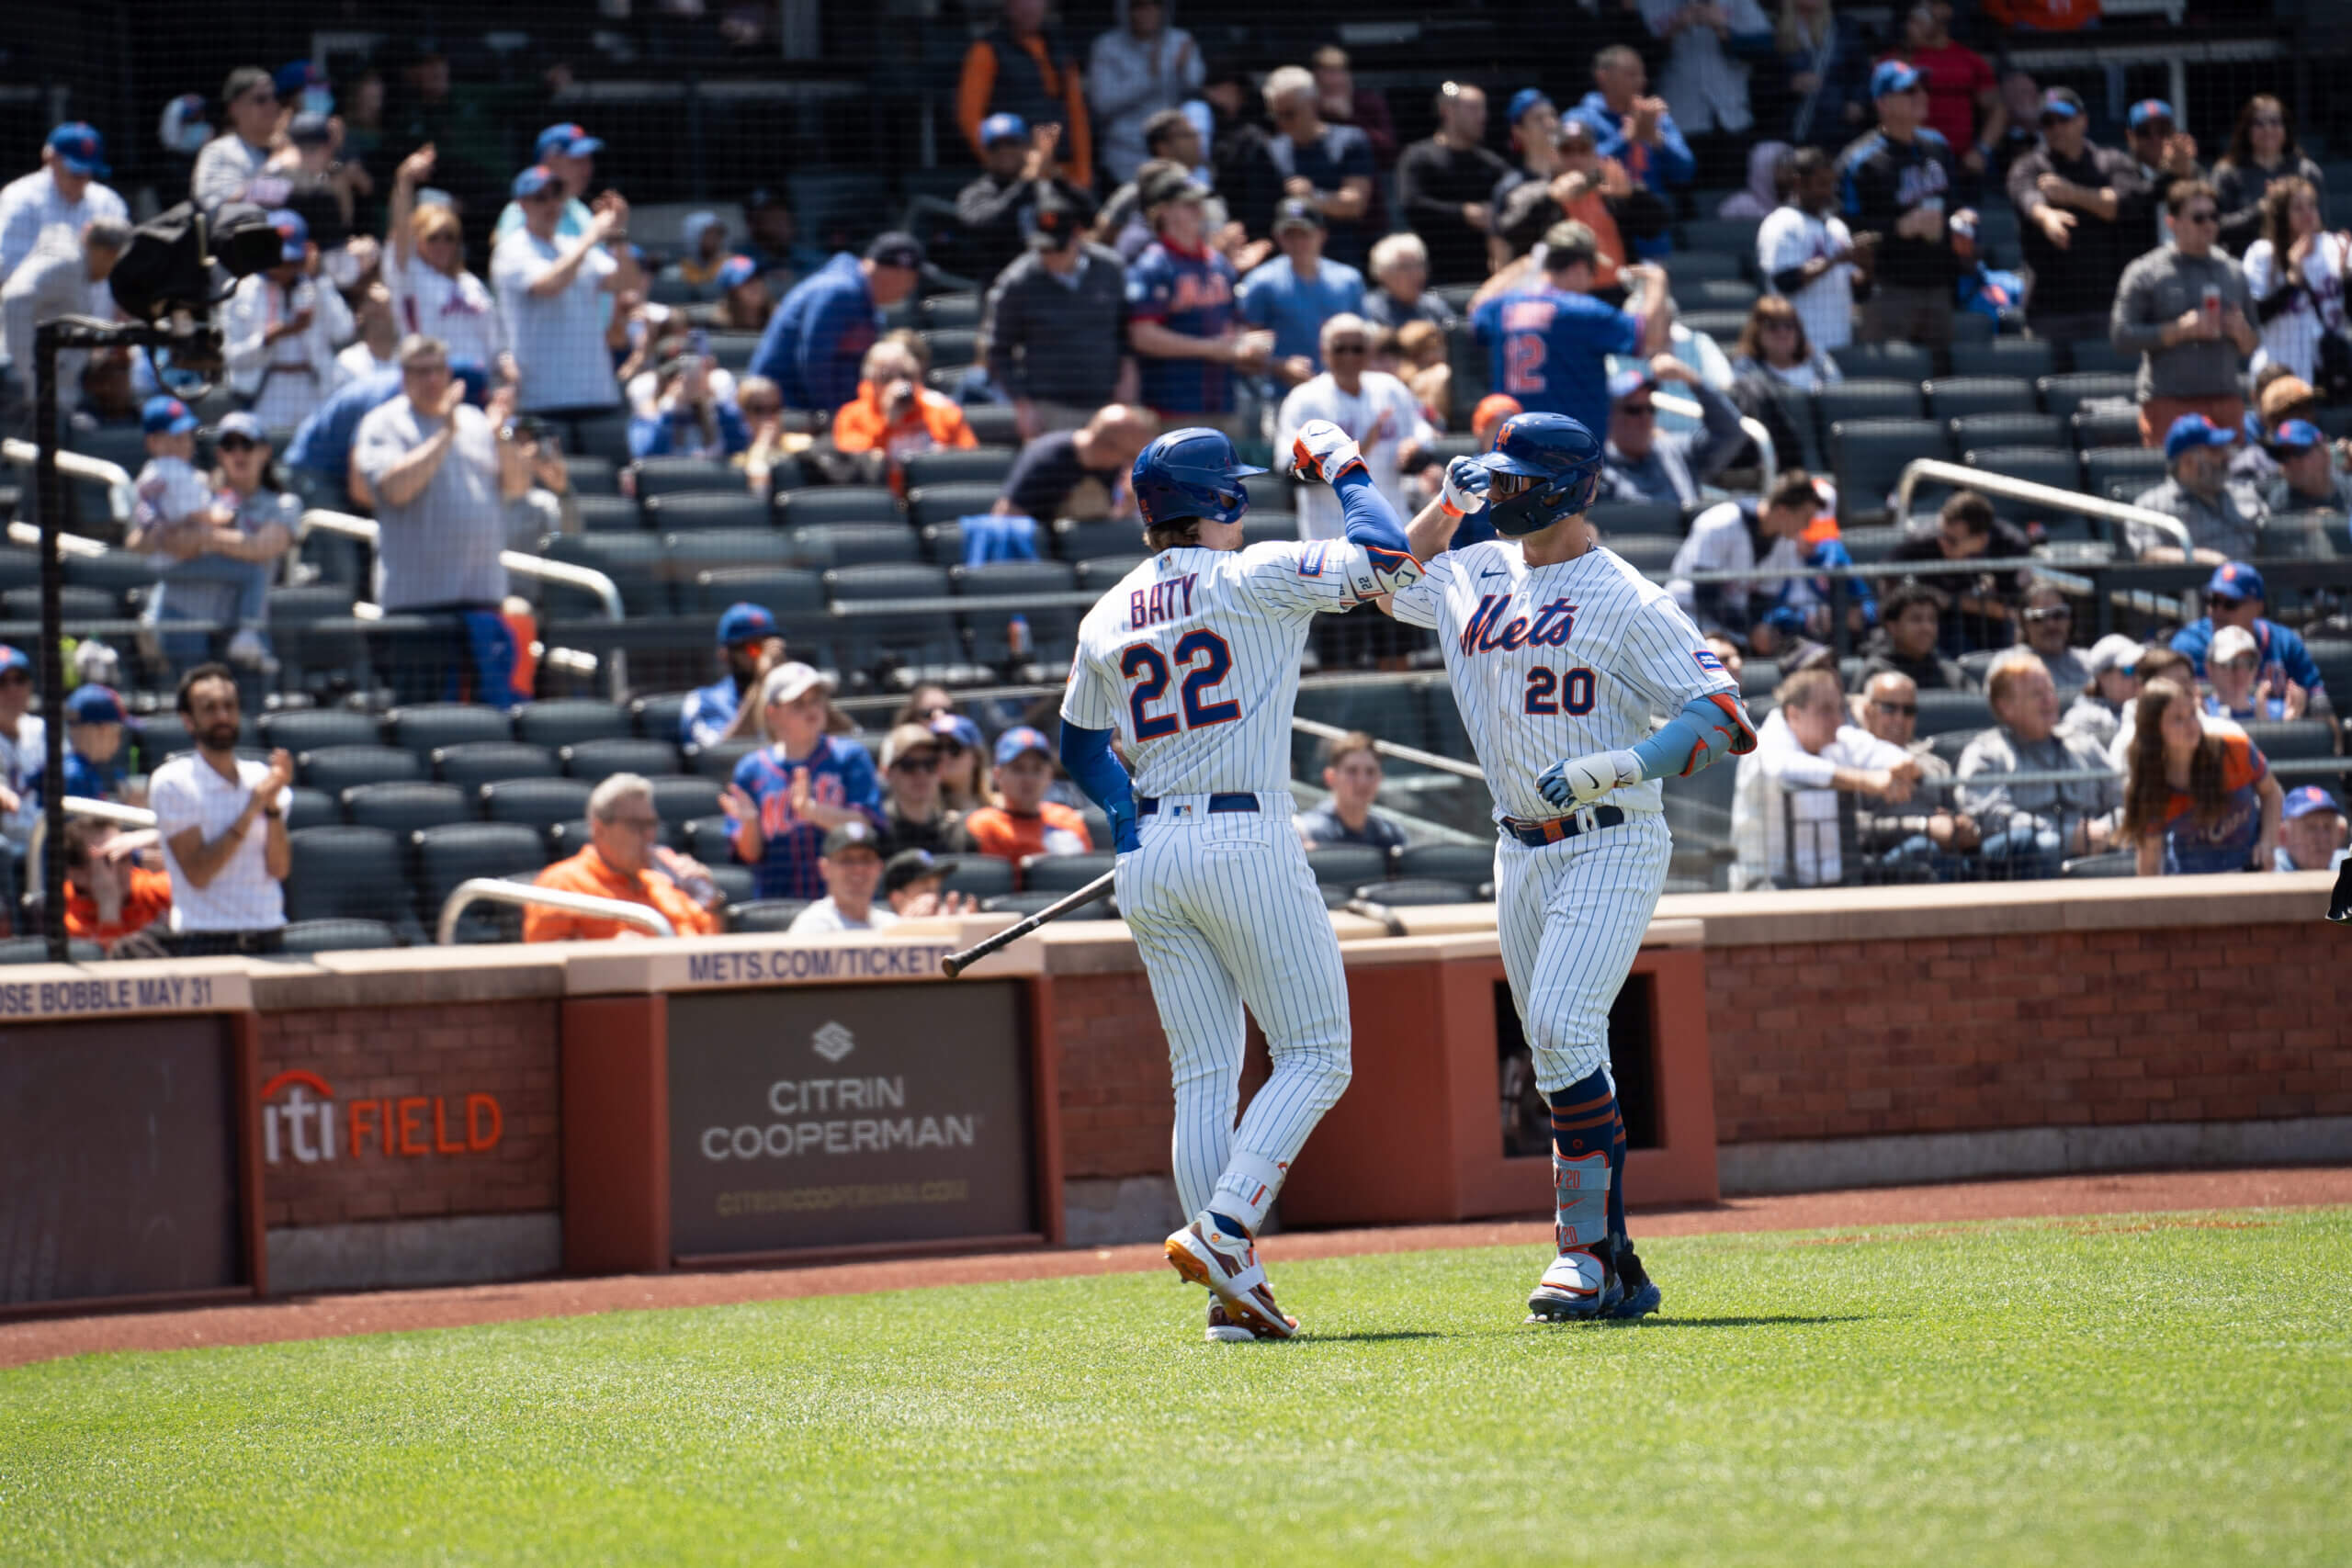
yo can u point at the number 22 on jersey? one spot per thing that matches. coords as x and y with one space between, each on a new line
1205 659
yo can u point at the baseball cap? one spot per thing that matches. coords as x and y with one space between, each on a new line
310 129
183 127
956 730
1625 383
1297 213
2298 436
476 377
293 233
744 622
2147 109
2309 798
93 705
567 141
737 271
1573 129
2230 643
165 415
909 866
853 835
1003 127
531 181
1054 218
81 149
691 227
1525 99
790 682
905 738
2234 580
2113 651
1894 76
1020 740
2194 430
894 247
1170 185
239 423
13 658
2060 103
296 74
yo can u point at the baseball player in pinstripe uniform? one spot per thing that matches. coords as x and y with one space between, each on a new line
1192 660
1559 653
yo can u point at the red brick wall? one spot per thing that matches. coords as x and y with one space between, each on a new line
1117 1109
505 1050
2049 1029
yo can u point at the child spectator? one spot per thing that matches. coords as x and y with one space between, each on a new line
109 897
1351 772
914 881
1025 822
2196 802
895 416
93 760
190 532
803 784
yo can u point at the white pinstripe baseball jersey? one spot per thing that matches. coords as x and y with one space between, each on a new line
2292 337
1194 657
1557 661
1791 237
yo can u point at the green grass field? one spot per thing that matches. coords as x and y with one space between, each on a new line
2105 1391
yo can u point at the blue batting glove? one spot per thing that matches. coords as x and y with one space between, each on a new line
1466 486
1125 834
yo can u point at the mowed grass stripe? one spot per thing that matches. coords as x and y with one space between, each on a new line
2111 1390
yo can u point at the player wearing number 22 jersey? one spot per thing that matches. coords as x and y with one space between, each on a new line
1559 653
1193 662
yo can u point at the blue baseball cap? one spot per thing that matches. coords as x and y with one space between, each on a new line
294 230
2309 798
954 727
476 376
531 181
2298 436
2061 103
295 75
2194 430
93 705
14 659
737 271
1894 76
237 422
1003 127
1525 99
2147 109
166 416
2234 580
81 149
1020 740
744 622
567 141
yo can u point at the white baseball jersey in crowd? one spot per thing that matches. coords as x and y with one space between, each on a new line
1551 662
2292 337
1791 237
1192 659
1380 416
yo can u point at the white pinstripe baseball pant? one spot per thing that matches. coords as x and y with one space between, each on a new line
1571 916
1225 914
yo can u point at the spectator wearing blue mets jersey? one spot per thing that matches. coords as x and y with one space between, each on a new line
1897 183
1181 318
787 796
1549 347
2233 597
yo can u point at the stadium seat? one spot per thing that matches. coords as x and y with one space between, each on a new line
2302 535
2063 395
658 478
679 798
311 808
733 351
1801 410
2096 427
35 950
1031 903
428 727
707 838
1970 326
837 503
796 598
2292 740
1098 574
1063 874
1871 546
346 872
1956 396
2121 472
946 501
1617 517
447 856
1469 864
1869 457
719 550
2089 355
1684 266
952 348
658 716
1727 294
1648 553
338 768
1868 400
1888 361
609 515
943 310
828 545
916 637
75 604
683 510
963 465
567 721
633 560
305 937
1346 866
405 808
2029 358
1759 677
981 877
1115 540
1270 493
718 760
1952 743
765 914
993 425
1943 712
2013 429
2333 657
1053 631
602 757
536 803
1725 236
2054 466
476 763
943 543
1723 325
591 476
311 730
1406 892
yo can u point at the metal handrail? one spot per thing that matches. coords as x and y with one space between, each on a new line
110 811
1753 428
491 890
1937 471
1322 731
122 495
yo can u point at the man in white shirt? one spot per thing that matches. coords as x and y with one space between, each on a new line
1806 253
1376 410
568 152
282 329
1805 754
230 161
222 821
851 863
64 193
551 290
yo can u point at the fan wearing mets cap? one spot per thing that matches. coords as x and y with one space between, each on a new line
1559 653
1192 660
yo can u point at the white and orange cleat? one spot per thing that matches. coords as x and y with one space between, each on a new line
1204 1255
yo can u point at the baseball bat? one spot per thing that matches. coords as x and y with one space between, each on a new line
955 964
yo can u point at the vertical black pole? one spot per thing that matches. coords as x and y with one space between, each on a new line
50 663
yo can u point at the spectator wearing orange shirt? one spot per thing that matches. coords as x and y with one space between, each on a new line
1021 69
624 860
1024 822
107 896
895 415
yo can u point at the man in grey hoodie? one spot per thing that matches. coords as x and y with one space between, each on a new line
1134 72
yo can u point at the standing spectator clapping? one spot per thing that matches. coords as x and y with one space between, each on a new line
567 152
1964 103
2186 310
1808 255
1445 185
1635 129
551 291
1182 317
2161 153
2196 802
1709 44
1020 68
2262 149
993 213
431 292
222 821
1134 72
2295 274
1054 323
1293 295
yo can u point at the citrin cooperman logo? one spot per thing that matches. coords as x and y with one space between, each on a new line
833 1042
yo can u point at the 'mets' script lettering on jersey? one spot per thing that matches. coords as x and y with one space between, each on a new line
1487 630
1198 290
1168 600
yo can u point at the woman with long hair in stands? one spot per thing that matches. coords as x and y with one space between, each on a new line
964 781
2296 274
1773 344
2195 801
2262 149
431 292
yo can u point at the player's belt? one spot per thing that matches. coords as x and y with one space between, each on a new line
1552 829
1148 806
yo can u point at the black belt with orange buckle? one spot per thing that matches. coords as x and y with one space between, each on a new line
1552 829
1148 805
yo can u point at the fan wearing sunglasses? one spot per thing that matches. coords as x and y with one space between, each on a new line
1890 711
2185 309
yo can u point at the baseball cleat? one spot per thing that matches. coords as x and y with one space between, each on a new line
1642 1295
1577 1286
1223 1330
1228 1265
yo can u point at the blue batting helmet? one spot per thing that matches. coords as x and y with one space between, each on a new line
1191 473
1545 467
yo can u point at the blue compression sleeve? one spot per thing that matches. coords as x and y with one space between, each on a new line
1371 521
1095 769
1705 728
